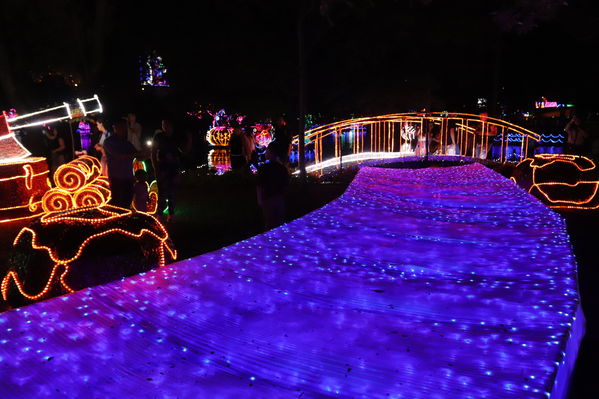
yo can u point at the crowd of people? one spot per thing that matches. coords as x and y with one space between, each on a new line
128 161
120 147
124 159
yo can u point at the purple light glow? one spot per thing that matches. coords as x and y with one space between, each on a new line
416 283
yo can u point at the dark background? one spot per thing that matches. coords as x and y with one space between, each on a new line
362 57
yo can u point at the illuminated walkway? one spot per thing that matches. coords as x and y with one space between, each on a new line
428 283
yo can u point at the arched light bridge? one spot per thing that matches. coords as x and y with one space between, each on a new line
404 134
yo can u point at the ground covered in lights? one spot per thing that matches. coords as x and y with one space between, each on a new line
426 283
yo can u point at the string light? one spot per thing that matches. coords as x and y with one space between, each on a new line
105 215
22 186
582 194
80 188
456 134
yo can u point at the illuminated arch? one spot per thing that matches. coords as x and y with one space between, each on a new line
397 135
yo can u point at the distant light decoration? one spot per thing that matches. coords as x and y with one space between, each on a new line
153 71
83 226
219 136
85 135
562 181
550 104
263 135
445 282
90 106
438 133
219 160
23 184
219 133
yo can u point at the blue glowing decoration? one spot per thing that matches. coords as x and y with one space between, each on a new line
428 283
152 71
85 135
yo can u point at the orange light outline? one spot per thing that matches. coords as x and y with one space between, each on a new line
113 213
563 158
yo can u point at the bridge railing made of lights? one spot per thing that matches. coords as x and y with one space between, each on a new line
394 135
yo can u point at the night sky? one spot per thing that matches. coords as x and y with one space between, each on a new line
362 57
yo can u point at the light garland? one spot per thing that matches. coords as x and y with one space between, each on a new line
581 194
106 215
80 189
22 186
11 149
456 134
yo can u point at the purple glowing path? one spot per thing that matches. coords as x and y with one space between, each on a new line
427 283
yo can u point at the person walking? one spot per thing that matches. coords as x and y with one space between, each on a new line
119 159
166 161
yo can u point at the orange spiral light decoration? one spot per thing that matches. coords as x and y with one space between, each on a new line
89 196
77 173
79 184
56 200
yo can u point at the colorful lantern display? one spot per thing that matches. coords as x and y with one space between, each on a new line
263 134
219 136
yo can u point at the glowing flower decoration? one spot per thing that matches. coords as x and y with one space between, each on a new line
263 135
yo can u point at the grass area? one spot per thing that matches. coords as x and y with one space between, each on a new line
216 211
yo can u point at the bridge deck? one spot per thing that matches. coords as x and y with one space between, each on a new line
429 283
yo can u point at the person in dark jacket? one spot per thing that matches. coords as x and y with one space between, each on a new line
271 187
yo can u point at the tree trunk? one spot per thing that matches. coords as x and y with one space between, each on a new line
301 55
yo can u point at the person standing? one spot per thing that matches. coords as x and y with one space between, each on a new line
283 139
272 180
576 136
57 147
119 159
99 146
166 161
248 146
134 131
236 147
